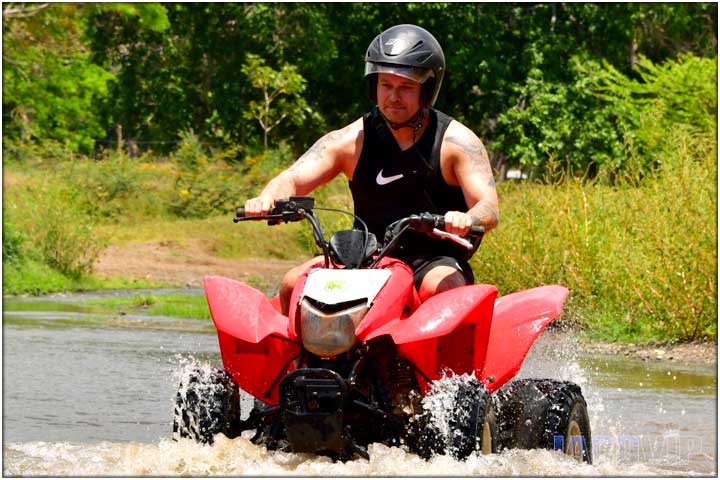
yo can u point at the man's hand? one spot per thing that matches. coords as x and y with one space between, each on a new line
458 223
258 206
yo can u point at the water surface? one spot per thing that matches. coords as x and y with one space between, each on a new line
86 393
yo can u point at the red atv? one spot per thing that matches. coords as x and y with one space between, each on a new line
360 359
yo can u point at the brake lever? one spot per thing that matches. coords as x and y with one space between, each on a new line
452 237
270 218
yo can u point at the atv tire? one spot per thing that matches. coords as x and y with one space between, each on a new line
547 414
468 426
207 403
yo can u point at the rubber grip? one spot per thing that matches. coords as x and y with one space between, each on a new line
475 230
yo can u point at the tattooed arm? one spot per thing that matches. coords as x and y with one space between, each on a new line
335 152
470 169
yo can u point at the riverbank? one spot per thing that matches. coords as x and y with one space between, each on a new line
689 353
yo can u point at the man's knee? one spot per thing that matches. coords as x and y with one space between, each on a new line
289 281
291 277
440 279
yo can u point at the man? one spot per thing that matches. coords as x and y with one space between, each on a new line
401 158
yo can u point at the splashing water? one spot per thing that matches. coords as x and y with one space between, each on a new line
614 409
239 457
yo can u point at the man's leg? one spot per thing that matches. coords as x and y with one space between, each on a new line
290 280
439 279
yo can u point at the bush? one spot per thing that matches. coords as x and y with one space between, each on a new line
30 153
108 185
12 241
562 122
204 186
263 166
63 236
68 243
604 124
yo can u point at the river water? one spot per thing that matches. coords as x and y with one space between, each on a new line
86 394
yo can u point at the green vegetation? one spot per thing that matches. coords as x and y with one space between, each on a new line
640 262
184 306
190 312
152 122
36 278
639 253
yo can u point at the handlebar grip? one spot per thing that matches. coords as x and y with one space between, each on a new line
475 230
239 214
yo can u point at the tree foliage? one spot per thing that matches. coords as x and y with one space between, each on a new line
281 95
156 70
51 85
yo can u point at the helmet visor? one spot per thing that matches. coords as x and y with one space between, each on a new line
415 74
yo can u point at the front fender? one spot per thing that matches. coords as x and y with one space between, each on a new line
449 331
256 342
518 320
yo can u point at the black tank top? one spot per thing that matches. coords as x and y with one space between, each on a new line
389 184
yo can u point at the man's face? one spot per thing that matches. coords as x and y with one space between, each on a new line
398 97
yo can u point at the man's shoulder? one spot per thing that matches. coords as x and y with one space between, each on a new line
349 133
345 144
460 144
459 133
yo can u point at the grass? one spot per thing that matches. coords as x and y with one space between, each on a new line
36 278
176 305
218 235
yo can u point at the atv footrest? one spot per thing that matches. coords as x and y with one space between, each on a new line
312 402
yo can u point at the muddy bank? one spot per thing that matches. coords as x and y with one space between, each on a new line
694 352
174 264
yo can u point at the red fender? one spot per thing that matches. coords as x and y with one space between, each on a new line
518 320
449 331
255 340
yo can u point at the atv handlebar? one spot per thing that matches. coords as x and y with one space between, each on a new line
295 209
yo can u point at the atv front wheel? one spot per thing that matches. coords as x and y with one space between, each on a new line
459 419
546 414
207 403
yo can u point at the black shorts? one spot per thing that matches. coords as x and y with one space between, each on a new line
421 265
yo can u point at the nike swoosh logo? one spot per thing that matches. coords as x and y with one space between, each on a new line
385 180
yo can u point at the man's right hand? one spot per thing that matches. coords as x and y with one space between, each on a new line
258 206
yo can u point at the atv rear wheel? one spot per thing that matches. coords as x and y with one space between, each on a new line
465 425
207 403
546 414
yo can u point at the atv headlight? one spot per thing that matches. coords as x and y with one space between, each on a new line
326 333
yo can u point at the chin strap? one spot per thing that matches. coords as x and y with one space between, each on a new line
415 122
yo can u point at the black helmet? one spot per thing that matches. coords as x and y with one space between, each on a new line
408 51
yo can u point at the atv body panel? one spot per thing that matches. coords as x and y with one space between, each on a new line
256 343
518 320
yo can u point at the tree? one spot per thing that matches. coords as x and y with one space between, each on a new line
281 94
51 86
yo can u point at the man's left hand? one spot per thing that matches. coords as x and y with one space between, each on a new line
458 223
